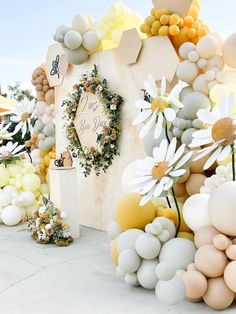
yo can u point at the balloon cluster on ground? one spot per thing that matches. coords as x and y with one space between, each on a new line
80 40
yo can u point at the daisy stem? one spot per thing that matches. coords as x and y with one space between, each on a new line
178 211
167 136
168 201
233 161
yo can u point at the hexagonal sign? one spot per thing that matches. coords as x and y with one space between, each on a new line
56 65
180 7
130 46
90 119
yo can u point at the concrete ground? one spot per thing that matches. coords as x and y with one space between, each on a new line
79 279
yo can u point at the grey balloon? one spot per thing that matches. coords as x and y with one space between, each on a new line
150 143
193 102
186 137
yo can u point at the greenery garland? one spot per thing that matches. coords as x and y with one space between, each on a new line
90 157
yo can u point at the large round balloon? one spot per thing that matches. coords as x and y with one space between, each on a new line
31 182
229 51
130 215
148 246
128 238
221 208
11 215
195 211
170 292
146 274
129 261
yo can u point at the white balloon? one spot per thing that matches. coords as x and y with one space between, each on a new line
129 261
200 84
11 215
179 252
229 51
48 130
73 39
128 175
193 102
165 271
195 211
131 279
207 46
185 49
62 29
148 246
170 292
187 71
90 41
49 142
5 199
41 107
77 56
8 189
113 230
28 198
81 23
128 238
146 274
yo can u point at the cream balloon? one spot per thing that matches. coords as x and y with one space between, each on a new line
77 56
196 284
131 279
205 235
187 71
11 215
146 274
229 51
129 261
148 246
128 238
207 46
90 41
73 39
81 23
195 211
113 230
230 276
170 292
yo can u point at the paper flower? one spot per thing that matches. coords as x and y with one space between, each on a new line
4 134
22 116
157 174
11 150
161 107
220 136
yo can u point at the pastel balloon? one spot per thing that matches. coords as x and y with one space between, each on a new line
129 261
196 284
224 222
28 198
113 230
194 183
170 292
146 274
195 211
90 41
4 176
210 261
187 71
131 279
230 276
31 182
229 51
49 96
5 199
165 270
221 242
114 250
73 39
11 215
148 246
231 252
81 23
77 56
185 49
207 46
193 102
128 238
218 295
205 235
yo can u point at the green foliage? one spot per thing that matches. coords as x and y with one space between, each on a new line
19 94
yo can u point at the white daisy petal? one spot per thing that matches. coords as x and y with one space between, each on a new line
168 184
184 160
144 164
201 134
141 180
205 151
212 158
223 105
174 94
171 149
231 102
148 126
158 128
142 104
158 190
163 86
142 116
18 149
24 130
170 114
15 119
148 186
206 116
178 173
146 198
150 87
200 142
224 153
177 155
163 150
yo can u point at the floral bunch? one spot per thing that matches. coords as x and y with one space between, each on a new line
46 225
99 158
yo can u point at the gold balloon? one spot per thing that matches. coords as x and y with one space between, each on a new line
114 251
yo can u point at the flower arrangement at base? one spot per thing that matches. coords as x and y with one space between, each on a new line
100 157
46 225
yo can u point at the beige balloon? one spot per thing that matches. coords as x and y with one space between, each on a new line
196 284
231 252
205 235
194 183
221 242
210 261
218 295
229 51
230 276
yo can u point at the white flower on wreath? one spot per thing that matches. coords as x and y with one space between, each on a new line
42 209
162 106
221 134
11 150
113 107
4 134
63 215
23 114
48 227
157 174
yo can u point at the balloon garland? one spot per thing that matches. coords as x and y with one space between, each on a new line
90 157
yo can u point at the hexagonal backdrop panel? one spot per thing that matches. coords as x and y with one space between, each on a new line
180 7
130 46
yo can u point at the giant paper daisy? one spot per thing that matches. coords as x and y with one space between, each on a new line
161 107
220 136
10 150
23 116
4 134
157 174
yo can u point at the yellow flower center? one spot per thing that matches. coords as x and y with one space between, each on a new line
25 116
224 129
159 170
159 103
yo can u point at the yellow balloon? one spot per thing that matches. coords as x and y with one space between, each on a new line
14 170
186 235
4 176
46 160
114 251
44 188
129 214
31 182
197 3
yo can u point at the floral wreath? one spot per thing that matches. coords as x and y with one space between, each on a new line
90 157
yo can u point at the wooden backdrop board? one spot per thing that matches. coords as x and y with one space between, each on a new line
180 7
98 196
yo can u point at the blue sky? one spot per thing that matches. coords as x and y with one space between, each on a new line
27 27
